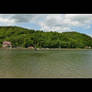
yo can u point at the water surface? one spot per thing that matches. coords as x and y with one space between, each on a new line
15 63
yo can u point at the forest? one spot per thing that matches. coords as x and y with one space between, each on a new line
23 37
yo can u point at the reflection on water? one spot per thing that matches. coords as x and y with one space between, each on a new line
40 64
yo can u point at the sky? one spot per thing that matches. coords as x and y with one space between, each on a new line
50 22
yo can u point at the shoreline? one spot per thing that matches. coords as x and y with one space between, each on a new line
48 49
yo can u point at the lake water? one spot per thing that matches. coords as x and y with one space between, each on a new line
16 63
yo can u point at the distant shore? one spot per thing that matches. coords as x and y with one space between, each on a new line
37 49
64 49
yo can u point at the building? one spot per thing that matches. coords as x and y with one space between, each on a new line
88 47
31 47
7 44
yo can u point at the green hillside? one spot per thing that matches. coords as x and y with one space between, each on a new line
22 37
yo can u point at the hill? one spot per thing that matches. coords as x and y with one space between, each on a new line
22 37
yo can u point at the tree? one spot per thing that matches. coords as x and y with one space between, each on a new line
22 37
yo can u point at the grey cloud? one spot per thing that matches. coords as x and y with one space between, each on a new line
23 17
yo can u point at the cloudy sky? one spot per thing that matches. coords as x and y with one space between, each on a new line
50 22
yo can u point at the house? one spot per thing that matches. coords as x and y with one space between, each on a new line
7 44
88 47
31 47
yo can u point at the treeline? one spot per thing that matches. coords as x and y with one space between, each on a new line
21 37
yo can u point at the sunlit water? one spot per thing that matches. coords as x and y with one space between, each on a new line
45 64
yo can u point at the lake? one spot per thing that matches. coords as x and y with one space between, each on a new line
19 63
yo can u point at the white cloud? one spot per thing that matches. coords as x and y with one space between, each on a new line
5 19
79 19
65 22
49 22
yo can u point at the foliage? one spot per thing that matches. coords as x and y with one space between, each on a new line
21 37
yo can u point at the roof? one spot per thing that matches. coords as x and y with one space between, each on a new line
7 42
